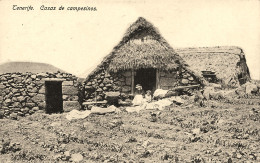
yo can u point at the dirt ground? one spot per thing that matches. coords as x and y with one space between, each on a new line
221 131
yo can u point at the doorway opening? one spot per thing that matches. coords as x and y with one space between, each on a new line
53 97
147 79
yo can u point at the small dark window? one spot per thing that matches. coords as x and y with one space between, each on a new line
210 76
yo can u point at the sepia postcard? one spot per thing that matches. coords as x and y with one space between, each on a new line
130 81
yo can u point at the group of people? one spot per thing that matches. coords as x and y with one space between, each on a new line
140 97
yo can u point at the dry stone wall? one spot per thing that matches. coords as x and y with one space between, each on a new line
169 80
22 94
96 86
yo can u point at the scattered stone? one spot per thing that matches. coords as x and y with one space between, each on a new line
207 92
196 131
239 156
67 153
77 157
57 156
250 88
146 143
177 100
63 146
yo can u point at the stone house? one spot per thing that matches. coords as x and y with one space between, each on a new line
227 64
143 57
25 93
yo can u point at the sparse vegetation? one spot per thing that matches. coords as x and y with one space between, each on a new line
227 132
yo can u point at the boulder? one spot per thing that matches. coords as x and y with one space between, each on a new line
177 100
77 157
207 92
240 91
196 131
217 95
251 88
112 97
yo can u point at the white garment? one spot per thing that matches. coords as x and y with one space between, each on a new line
148 98
138 100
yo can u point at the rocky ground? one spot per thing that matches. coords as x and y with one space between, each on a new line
220 131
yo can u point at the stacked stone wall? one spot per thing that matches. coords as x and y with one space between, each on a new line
23 94
97 85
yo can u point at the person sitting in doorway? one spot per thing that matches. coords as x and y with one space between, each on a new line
138 98
148 96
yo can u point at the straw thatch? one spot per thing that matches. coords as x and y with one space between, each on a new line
141 47
228 62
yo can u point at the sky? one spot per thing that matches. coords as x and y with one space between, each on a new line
77 41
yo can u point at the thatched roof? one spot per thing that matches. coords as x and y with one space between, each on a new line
223 60
141 47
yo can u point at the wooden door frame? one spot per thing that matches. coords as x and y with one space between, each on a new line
157 83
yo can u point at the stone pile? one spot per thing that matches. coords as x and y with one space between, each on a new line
23 94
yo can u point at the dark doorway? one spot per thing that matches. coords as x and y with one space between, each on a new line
147 79
53 97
